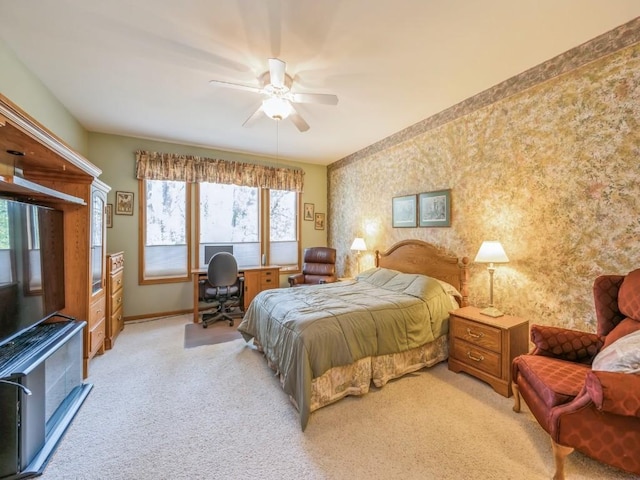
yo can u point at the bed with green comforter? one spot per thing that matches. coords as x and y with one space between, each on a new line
306 331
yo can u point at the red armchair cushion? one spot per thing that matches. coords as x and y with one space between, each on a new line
614 392
555 381
629 296
625 327
565 344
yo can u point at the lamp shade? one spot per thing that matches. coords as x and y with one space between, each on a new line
276 108
491 252
358 245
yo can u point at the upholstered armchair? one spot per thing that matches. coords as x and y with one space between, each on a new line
319 267
579 385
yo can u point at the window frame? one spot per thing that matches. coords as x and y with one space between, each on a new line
142 235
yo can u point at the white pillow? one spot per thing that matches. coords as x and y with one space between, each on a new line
623 355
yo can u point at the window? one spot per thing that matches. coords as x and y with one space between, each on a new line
165 231
230 215
252 221
283 229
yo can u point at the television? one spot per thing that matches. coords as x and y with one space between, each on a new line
31 266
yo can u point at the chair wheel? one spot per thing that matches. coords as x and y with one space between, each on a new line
204 325
231 323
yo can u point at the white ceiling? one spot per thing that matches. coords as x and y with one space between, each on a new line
142 68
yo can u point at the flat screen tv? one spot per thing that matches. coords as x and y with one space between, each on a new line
31 266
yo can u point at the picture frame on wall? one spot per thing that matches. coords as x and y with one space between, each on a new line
124 203
309 211
319 221
435 209
109 215
403 211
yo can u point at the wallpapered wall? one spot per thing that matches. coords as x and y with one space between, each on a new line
552 172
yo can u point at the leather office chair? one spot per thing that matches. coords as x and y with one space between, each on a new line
319 267
224 286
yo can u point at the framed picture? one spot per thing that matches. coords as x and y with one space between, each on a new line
309 212
124 203
319 219
435 209
109 215
403 211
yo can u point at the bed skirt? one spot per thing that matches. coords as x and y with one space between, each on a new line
356 379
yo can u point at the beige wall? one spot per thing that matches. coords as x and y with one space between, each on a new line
115 155
20 86
552 172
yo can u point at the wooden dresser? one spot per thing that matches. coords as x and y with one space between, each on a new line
115 293
484 346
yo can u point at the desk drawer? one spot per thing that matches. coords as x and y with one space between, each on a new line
478 334
269 279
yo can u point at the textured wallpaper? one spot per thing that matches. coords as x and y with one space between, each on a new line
552 172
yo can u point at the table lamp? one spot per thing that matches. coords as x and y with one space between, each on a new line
491 252
358 246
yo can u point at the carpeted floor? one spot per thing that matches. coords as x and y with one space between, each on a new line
160 411
219 332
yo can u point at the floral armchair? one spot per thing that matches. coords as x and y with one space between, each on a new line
584 388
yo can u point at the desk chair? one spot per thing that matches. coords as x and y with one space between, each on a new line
224 286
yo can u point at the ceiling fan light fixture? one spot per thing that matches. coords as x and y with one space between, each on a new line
276 108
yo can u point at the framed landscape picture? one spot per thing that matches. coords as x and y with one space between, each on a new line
435 209
403 211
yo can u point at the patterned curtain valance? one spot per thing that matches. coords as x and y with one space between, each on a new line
189 168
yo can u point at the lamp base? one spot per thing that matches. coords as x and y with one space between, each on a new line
492 312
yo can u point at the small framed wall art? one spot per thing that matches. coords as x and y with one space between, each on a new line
403 211
124 203
435 209
319 221
309 209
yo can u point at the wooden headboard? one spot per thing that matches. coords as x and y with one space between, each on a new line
416 256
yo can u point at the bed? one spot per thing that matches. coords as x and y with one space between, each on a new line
333 340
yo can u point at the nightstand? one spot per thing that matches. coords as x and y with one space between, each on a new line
484 346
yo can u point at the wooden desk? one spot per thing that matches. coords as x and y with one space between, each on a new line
256 279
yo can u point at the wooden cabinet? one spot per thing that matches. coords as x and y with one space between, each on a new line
47 172
484 346
257 280
115 293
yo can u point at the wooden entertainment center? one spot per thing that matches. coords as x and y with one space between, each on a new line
37 167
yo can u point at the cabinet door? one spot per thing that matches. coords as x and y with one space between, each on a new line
251 286
98 207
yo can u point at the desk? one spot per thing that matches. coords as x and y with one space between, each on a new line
256 279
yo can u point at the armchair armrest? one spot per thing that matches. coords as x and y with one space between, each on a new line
296 279
565 344
615 392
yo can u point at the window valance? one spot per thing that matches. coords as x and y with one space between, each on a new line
190 168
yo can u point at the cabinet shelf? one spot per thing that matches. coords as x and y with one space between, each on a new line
32 191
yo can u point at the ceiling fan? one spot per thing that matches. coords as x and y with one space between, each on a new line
275 85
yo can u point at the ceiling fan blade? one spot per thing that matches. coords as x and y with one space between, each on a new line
276 72
324 98
237 86
254 116
298 121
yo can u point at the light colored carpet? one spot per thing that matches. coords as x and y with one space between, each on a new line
160 411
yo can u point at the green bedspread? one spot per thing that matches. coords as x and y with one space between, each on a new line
306 331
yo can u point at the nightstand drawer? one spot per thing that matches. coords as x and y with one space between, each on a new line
478 334
476 357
